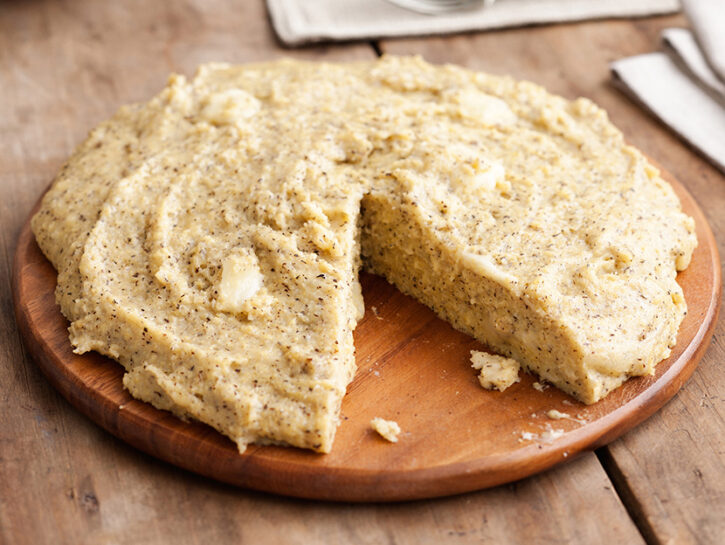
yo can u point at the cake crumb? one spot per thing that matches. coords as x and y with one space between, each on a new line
540 387
497 372
527 436
557 415
550 435
375 312
387 429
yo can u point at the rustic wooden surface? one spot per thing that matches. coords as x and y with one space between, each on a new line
64 66
412 367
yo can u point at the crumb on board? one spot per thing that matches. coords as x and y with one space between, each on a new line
387 429
557 415
539 386
496 372
549 435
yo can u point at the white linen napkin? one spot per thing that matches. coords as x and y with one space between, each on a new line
656 81
684 86
707 17
302 21
681 44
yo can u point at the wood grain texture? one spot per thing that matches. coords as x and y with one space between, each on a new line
412 367
671 469
65 66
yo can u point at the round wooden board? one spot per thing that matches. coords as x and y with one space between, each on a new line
412 368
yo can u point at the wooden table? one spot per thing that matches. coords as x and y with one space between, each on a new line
65 66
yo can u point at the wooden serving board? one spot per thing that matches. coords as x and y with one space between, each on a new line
412 368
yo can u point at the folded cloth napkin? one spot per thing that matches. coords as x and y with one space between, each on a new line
682 85
655 81
707 17
302 21
682 46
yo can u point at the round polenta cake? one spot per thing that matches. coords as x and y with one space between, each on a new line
210 239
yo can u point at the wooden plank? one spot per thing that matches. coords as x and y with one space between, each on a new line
65 66
670 470
673 466
116 495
